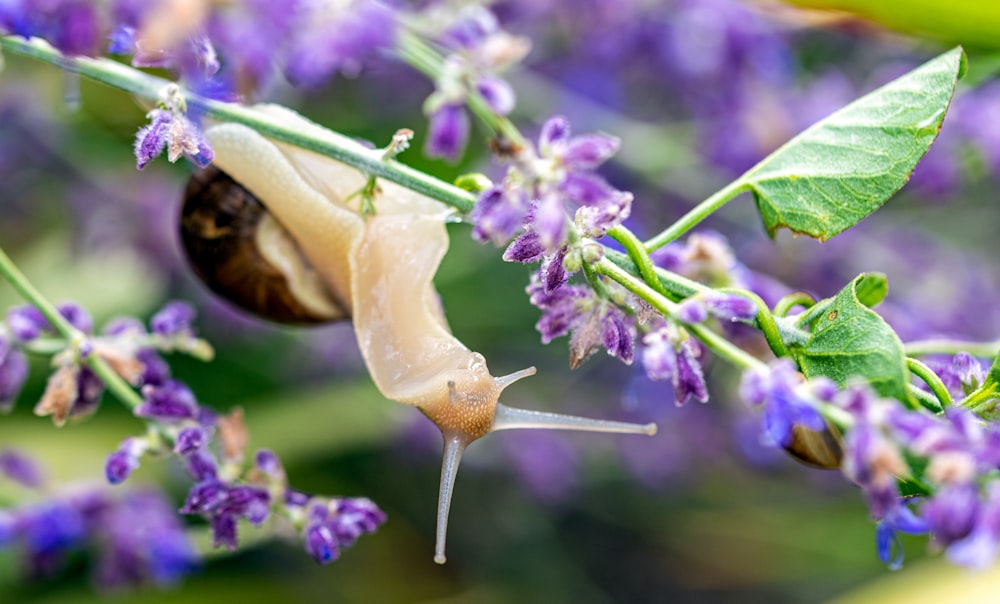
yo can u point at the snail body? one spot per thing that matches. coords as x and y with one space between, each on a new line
375 269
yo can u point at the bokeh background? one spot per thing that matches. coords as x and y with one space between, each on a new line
698 90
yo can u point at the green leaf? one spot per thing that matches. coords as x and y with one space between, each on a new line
849 340
972 22
829 177
872 289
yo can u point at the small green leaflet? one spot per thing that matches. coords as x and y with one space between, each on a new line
988 392
847 339
829 177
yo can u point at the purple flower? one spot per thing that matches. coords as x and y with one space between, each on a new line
189 440
689 380
951 512
141 539
268 463
692 310
343 41
526 248
553 271
170 129
873 461
729 307
170 402
497 216
174 319
473 25
669 354
787 402
321 543
122 40
550 222
497 93
900 519
201 465
151 139
20 468
595 220
26 322
448 132
13 373
125 460
224 531
337 524
155 372
75 27
618 335
979 548
49 528
204 497
562 309
659 357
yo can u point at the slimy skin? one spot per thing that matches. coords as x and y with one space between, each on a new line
379 271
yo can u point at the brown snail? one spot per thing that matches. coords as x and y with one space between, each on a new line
819 449
327 261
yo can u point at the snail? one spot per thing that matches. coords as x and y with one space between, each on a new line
294 217
818 449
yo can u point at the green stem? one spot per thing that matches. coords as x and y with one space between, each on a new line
926 400
791 301
764 320
698 213
677 287
112 380
977 401
639 256
930 378
719 345
149 87
951 347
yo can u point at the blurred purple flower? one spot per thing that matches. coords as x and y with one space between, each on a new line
13 373
448 132
336 524
26 322
900 519
21 468
170 402
787 400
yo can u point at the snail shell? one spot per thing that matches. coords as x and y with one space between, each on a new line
237 248
821 449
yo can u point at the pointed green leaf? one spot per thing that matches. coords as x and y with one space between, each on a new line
848 339
829 177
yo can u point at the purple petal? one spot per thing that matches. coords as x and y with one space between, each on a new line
526 248
555 131
448 132
497 93
589 151
586 189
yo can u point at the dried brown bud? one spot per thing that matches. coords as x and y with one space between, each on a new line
233 434
60 393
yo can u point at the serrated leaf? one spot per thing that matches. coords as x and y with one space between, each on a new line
829 177
849 340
